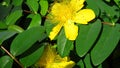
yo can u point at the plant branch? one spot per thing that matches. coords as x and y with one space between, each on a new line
12 57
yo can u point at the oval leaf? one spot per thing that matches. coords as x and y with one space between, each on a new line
106 44
25 40
4 35
13 17
33 5
36 21
17 2
80 64
49 26
6 62
26 61
44 7
87 61
15 28
63 44
87 36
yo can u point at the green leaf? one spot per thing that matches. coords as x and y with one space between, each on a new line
108 13
36 20
25 40
16 28
33 5
34 57
117 2
17 2
93 6
44 7
4 35
6 3
106 44
87 61
5 11
63 44
86 37
49 25
13 17
15 8
6 62
80 64
3 25
108 0
100 66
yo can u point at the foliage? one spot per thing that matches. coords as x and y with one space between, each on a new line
24 31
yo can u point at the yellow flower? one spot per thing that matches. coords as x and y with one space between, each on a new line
50 59
67 13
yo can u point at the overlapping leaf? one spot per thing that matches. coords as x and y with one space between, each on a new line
106 44
87 36
25 40
6 62
64 45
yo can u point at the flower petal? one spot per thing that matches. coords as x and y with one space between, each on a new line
77 4
84 16
55 31
66 64
55 8
71 30
47 57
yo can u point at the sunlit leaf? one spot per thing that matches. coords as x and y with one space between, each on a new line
36 20
44 7
33 5
15 28
17 2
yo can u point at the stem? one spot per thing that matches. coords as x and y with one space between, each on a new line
111 24
27 11
12 57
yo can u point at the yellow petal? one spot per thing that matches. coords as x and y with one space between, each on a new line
84 16
68 64
55 8
50 59
55 31
77 4
61 12
58 59
47 57
71 30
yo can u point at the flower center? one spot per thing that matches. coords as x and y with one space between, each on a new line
65 13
